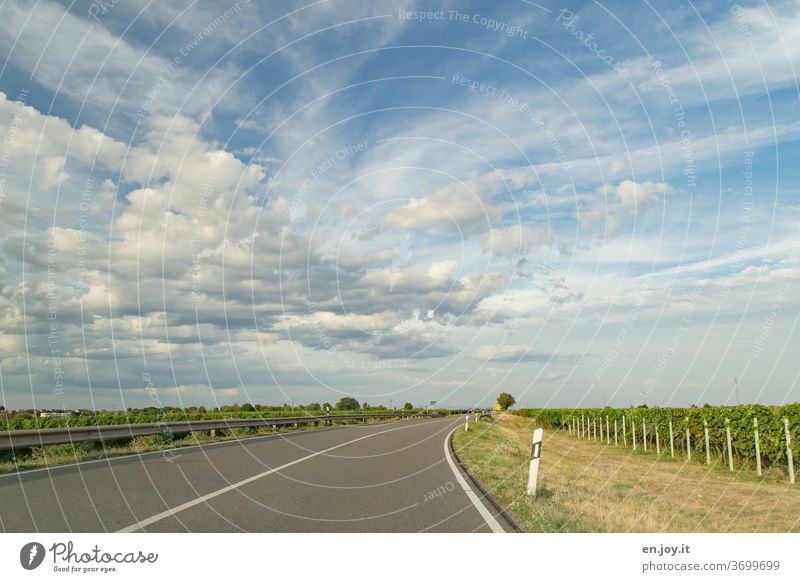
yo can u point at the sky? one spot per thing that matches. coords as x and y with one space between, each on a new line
582 204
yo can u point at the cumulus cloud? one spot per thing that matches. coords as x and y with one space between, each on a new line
511 353
347 220
630 193
517 239
614 204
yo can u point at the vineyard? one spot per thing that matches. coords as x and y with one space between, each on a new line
758 435
109 418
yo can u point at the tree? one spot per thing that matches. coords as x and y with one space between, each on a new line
505 400
347 403
246 407
2 408
408 406
327 406
201 409
313 406
365 406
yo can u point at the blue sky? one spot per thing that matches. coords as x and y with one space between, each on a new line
581 204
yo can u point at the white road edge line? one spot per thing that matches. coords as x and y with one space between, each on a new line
487 516
164 514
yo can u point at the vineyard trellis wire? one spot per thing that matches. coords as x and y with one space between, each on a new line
753 435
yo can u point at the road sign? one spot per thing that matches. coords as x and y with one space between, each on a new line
497 407
536 452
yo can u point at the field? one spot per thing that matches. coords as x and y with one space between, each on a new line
24 422
52 455
715 421
585 486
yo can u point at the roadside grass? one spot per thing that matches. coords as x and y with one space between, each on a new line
585 486
54 455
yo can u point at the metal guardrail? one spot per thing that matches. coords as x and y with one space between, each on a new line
18 439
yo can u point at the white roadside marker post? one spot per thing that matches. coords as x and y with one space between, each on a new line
758 447
608 432
536 451
708 452
616 441
466 422
633 426
728 438
789 454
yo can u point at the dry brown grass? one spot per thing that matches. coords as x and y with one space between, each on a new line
586 486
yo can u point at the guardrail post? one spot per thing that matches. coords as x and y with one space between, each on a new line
536 451
789 454
213 433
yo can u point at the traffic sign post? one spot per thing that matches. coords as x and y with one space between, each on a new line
536 451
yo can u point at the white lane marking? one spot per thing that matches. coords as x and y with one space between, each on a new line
487 516
170 512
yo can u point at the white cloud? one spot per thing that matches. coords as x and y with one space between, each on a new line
515 239
510 353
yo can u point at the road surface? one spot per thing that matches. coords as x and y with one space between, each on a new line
385 477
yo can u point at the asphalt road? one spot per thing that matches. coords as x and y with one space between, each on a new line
386 477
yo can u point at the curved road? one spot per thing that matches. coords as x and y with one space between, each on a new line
385 477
